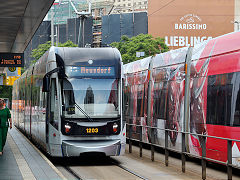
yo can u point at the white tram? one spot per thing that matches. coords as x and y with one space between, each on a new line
70 102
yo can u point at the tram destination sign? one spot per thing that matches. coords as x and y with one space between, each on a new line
91 71
11 60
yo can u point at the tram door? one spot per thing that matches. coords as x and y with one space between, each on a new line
54 114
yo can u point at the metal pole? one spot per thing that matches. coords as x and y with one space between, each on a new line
152 142
204 162
149 99
140 149
166 147
152 152
140 142
83 27
183 151
149 118
82 15
56 29
79 31
229 163
187 94
133 16
130 141
52 29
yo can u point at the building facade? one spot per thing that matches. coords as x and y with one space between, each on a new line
114 26
122 6
62 10
188 22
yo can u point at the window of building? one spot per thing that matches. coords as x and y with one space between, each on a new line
139 3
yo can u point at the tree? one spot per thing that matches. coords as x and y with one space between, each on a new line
141 43
42 48
6 92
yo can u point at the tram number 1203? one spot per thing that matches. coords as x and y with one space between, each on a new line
92 130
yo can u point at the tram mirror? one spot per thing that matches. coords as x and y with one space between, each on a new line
46 84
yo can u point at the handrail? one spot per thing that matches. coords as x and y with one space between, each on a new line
183 151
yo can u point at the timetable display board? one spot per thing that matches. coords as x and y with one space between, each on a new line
11 60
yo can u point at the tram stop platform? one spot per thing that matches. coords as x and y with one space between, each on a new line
21 160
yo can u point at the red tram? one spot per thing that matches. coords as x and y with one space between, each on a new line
162 92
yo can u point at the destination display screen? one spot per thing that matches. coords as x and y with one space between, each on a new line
11 60
90 71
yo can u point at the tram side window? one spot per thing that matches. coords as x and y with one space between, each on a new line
236 120
126 100
219 98
159 100
156 100
54 105
131 102
140 100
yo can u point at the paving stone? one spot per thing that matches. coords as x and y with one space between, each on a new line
27 157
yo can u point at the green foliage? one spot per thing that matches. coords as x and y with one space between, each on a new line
42 48
67 44
141 43
22 70
6 92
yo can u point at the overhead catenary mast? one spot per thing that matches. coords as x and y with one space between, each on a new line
82 15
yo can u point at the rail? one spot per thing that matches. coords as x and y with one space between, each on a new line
183 151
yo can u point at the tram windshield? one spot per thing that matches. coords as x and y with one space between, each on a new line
98 98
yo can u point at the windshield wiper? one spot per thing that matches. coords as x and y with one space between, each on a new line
82 111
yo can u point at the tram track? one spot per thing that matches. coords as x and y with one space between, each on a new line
72 172
130 171
76 171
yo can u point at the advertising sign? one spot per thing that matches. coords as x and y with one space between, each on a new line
13 71
187 22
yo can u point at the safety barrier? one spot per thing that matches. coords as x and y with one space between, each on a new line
183 152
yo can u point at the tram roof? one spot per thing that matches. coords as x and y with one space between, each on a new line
136 66
81 56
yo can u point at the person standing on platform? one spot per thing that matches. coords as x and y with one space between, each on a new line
5 119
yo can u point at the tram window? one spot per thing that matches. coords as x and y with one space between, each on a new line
54 105
69 100
126 100
219 99
159 100
131 101
156 100
140 100
236 118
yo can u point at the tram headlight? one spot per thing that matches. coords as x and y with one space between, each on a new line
67 128
115 127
